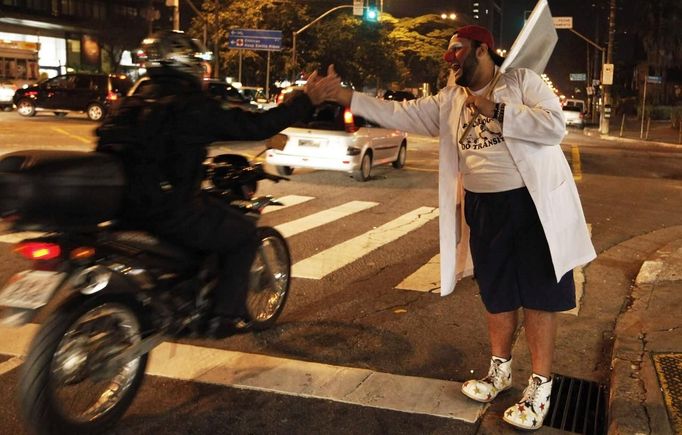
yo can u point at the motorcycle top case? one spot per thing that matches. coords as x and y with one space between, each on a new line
60 188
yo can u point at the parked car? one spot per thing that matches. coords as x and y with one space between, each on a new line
337 140
398 95
75 92
574 112
224 92
7 90
257 96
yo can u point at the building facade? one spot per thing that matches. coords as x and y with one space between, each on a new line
76 35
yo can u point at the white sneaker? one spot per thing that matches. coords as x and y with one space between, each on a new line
529 412
499 379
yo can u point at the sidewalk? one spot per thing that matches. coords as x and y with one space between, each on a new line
646 377
645 391
660 133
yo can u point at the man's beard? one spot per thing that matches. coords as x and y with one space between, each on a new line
468 69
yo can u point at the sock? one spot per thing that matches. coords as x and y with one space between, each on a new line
503 360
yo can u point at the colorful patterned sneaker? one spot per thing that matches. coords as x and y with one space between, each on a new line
530 411
499 379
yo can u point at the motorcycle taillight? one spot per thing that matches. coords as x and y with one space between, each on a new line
38 250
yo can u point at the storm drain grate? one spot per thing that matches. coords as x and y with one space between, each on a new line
669 369
577 406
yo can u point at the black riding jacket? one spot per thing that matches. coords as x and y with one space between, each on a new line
162 134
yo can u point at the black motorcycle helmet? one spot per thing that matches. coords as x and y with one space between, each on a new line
170 52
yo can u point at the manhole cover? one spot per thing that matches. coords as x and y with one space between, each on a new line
577 405
669 369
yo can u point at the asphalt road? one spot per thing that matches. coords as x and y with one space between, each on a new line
356 316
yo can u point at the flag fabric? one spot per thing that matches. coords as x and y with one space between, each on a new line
535 43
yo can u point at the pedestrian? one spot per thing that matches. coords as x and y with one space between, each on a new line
522 215
162 133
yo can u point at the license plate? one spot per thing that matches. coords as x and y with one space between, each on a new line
30 289
309 143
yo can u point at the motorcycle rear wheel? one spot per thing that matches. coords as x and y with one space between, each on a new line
270 279
63 368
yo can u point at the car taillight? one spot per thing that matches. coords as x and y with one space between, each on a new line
38 250
279 99
112 96
348 121
31 93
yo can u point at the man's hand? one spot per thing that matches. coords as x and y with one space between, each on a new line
337 93
321 89
482 104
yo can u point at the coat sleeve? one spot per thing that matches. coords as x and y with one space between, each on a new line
218 124
419 116
535 115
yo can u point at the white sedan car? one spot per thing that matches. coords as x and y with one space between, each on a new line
336 140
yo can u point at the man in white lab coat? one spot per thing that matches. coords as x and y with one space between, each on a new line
522 220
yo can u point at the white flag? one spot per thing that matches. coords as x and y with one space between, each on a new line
535 43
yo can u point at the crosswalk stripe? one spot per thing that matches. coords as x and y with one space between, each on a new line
10 365
288 201
356 386
425 279
332 259
324 217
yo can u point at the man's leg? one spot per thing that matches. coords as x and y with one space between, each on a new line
541 327
501 327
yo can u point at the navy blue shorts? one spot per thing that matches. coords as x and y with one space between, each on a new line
512 263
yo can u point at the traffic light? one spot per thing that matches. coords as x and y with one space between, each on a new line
371 14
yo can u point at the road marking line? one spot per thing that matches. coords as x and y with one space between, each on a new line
248 371
579 280
71 135
425 279
288 201
324 217
10 365
575 163
322 264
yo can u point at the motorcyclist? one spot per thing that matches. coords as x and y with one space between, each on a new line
162 134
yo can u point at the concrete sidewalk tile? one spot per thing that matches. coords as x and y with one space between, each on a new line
650 324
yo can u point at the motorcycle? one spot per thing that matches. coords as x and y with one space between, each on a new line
113 294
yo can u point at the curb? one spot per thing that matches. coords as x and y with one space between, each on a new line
636 404
595 133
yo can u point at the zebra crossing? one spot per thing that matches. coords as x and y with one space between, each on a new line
426 278
323 263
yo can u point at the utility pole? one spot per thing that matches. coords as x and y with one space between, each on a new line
175 4
604 120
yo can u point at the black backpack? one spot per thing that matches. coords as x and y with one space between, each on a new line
139 132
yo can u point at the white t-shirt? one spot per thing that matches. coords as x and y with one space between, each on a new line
485 162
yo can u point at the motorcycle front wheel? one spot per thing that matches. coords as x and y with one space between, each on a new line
65 386
269 281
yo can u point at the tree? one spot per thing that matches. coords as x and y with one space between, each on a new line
115 39
224 15
362 52
421 42
658 26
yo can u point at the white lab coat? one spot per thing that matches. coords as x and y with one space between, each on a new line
533 128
